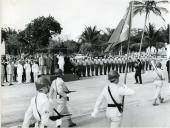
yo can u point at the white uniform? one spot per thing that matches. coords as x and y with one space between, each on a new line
58 96
10 70
158 82
35 70
61 62
41 104
28 71
117 92
19 73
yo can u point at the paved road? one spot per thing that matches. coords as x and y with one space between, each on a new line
138 109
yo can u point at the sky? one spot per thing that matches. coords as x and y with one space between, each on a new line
73 15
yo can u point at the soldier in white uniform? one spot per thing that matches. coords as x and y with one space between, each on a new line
27 68
10 72
117 91
59 98
35 70
40 107
19 72
158 82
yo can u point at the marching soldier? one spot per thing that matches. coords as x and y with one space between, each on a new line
92 66
113 95
158 82
96 62
88 62
101 65
105 65
58 96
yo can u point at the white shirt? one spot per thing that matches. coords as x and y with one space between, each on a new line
117 92
19 69
35 68
58 86
27 67
41 105
61 60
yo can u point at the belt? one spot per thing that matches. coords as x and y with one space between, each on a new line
111 105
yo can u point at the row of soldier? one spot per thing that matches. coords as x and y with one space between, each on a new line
102 65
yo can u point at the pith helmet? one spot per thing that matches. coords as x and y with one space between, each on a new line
58 72
158 65
41 83
113 75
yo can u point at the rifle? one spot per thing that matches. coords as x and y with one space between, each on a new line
59 116
67 92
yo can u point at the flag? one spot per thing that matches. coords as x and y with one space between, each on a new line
121 32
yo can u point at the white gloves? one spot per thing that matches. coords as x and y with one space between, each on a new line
93 114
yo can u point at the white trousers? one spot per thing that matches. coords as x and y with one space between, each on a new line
158 85
28 76
19 78
35 76
61 66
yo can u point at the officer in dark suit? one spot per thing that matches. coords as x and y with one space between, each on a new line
168 70
138 67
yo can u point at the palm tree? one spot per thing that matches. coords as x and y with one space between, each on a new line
91 36
153 37
147 7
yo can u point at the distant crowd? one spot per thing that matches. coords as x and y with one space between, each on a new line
27 69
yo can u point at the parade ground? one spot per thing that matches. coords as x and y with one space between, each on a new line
138 112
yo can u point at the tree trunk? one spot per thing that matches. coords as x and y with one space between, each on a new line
143 34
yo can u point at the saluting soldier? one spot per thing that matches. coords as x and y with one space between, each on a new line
105 65
84 64
58 96
92 66
113 91
101 65
88 62
96 63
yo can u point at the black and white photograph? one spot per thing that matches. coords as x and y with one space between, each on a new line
85 63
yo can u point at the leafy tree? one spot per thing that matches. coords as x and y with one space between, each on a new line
90 36
147 7
39 31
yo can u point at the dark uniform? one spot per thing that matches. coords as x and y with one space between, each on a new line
138 67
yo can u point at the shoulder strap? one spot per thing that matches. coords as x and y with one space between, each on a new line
37 107
119 106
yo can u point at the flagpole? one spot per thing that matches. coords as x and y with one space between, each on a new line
129 34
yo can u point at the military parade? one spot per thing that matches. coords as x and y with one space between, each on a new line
115 78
